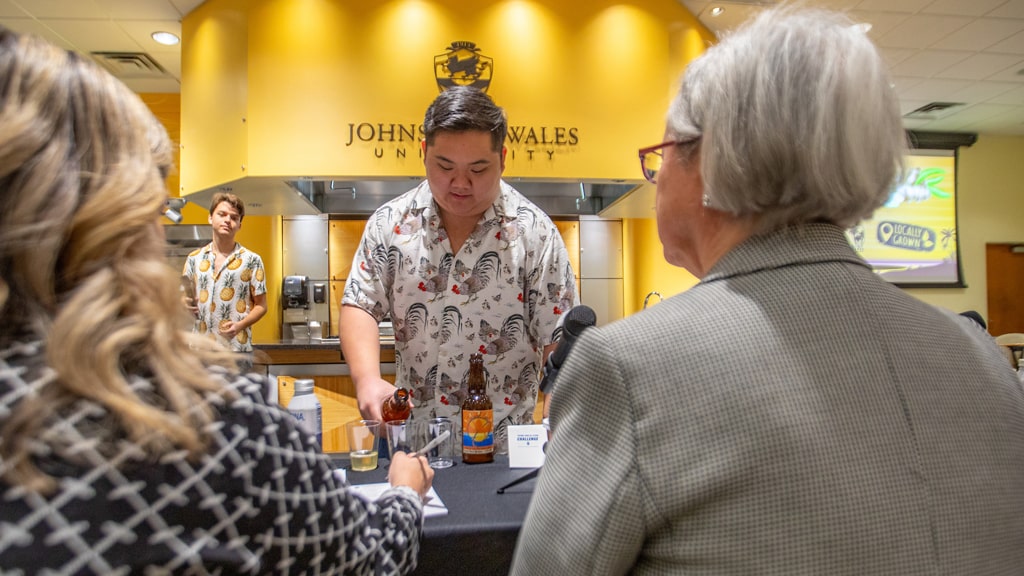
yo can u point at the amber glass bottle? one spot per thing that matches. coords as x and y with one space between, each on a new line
477 416
396 406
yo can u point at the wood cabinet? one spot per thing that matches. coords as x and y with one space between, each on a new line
343 236
337 395
343 239
570 231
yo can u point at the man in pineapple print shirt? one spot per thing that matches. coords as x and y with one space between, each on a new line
229 281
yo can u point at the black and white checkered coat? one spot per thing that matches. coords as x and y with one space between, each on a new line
792 414
261 501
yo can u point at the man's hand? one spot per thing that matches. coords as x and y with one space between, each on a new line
192 305
229 329
370 396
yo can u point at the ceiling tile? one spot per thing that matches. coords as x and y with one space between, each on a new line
964 117
908 6
1013 73
894 56
928 63
140 9
70 9
1012 45
982 33
923 31
150 85
186 6
904 83
97 35
881 22
1015 96
983 92
9 9
840 5
979 66
170 61
29 26
935 89
962 7
1011 9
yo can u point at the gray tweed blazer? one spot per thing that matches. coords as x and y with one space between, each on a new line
790 414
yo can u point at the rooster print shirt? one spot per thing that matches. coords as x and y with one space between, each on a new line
225 294
502 295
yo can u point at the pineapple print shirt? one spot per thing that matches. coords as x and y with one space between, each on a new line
502 295
226 294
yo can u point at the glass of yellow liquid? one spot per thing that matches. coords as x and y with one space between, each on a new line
362 444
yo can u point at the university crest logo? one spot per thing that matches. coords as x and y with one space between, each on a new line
463 65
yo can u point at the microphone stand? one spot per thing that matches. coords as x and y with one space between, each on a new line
531 474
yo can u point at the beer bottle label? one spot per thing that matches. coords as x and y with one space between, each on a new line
477 431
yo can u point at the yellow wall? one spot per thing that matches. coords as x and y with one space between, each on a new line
214 93
645 268
272 87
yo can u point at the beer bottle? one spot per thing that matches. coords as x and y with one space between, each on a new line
396 406
477 416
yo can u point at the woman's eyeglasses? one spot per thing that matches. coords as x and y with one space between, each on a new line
651 158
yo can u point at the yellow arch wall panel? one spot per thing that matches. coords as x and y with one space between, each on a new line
214 94
303 74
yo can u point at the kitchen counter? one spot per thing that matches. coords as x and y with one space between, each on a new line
327 351
285 361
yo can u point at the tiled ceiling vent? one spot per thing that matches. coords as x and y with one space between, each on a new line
932 110
130 64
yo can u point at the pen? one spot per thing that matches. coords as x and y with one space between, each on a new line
433 443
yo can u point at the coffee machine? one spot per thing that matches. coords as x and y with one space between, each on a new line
295 301
305 295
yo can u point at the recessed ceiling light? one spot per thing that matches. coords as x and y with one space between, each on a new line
165 38
717 11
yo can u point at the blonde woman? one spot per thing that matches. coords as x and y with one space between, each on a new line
126 443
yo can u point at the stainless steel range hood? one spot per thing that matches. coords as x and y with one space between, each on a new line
182 239
309 196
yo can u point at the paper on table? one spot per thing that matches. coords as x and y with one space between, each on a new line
433 506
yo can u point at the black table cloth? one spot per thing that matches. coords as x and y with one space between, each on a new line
478 535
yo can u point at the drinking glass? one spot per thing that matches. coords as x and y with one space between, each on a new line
441 456
362 444
404 436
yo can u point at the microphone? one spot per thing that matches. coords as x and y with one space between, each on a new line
578 319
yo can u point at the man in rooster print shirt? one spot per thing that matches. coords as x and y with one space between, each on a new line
229 281
462 263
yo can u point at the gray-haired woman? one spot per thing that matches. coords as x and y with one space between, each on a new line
792 413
